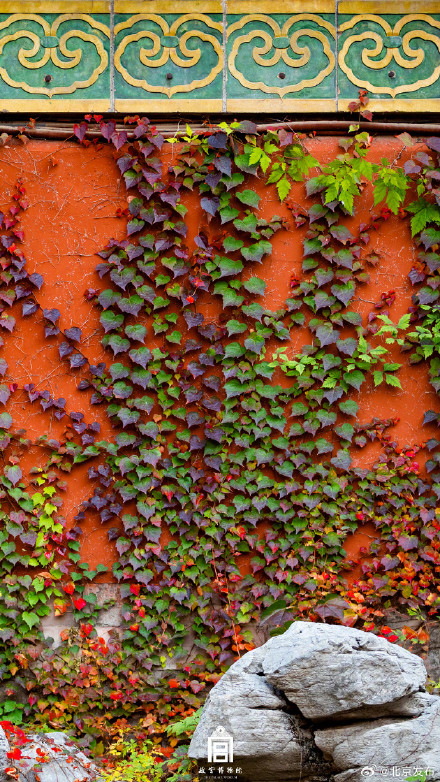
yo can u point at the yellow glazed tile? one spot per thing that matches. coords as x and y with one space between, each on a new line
54 6
262 106
412 105
392 7
168 106
285 7
168 7
68 105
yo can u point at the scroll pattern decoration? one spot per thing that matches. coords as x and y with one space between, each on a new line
52 42
169 45
391 46
278 44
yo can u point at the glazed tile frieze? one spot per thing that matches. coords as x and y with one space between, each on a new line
213 56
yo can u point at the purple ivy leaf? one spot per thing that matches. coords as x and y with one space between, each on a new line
80 130
36 279
14 474
212 403
108 128
119 139
193 418
52 315
4 393
77 361
163 244
212 382
125 162
433 143
195 369
406 542
191 345
216 433
65 349
210 205
51 331
74 334
193 319
170 198
213 179
201 241
248 127
411 168
223 164
218 140
195 443
7 323
29 538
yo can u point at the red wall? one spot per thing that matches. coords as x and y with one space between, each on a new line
73 194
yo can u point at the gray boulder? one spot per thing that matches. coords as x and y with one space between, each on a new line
62 760
250 709
4 760
330 671
405 743
322 703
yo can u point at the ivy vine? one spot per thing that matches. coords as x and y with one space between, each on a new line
227 487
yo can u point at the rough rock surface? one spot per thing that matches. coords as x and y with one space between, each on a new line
62 760
250 709
329 671
4 760
322 702
411 743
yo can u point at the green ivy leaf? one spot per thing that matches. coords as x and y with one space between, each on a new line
248 197
256 251
111 320
228 213
248 223
392 380
175 337
255 285
349 407
233 350
355 378
323 445
235 327
5 421
377 377
228 267
342 460
30 618
231 244
346 431
283 188
230 297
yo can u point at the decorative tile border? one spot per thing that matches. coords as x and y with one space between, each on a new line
172 60
148 56
54 56
394 56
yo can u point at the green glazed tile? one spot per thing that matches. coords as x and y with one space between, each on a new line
170 57
394 57
49 68
281 57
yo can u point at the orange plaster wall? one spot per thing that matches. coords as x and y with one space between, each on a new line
73 194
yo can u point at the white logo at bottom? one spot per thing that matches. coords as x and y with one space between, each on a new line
220 747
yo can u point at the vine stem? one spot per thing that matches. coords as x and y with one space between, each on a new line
330 126
229 602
